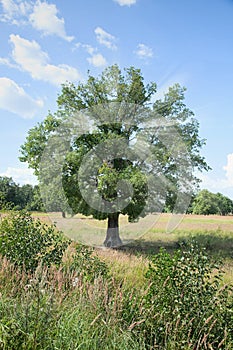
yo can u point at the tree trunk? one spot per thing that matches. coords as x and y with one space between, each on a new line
112 237
63 214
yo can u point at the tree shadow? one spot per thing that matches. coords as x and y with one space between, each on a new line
147 247
215 245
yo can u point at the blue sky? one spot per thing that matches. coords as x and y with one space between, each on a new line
44 43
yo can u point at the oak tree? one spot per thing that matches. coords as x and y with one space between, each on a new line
137 153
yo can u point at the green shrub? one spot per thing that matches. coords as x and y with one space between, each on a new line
184 306
27 242
87 265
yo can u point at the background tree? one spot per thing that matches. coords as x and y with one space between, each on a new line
31 152
14 196
8 191
36 204
24 196
123 89
225 204
29 198
206 203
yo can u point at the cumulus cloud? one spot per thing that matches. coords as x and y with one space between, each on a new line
91 50
126 2
144 51
21 176
97 60
15 11
44 18
7 62
40 14
224 184
14 99
229 169
105 38
30 58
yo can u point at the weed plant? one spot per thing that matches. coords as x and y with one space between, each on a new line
77 302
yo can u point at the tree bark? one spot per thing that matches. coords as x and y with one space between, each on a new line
112 237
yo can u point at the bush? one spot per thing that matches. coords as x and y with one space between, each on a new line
27 242
86 265
184 306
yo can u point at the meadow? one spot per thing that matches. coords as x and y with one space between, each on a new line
214 232
159 290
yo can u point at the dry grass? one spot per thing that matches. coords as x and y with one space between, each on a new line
128 268
214 231
154 223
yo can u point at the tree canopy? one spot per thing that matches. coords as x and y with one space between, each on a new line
14 196
111 148
207 203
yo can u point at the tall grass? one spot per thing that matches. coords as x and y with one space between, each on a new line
179 306
111 299
55 310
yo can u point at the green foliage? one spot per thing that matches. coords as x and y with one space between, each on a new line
42 314
206 203
86 265
122 87
225 204
27 242
35 203
13 196
8 192
184 305
25 196
26 323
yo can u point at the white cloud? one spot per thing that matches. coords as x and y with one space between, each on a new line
10 8
40 14
229 169
7 62
14 99
97 60
126 2
44 18
104 38
207 182
21 176
14 11
144 51
91 50
30 58
223 185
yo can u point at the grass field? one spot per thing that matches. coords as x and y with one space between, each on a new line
212 231
136 297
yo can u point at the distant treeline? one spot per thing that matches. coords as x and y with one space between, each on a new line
14 196
206 203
